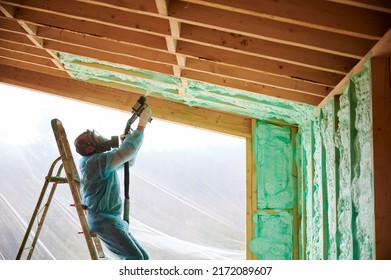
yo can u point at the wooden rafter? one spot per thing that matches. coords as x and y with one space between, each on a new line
30 32
297 51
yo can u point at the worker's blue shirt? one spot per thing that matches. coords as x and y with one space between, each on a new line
99 186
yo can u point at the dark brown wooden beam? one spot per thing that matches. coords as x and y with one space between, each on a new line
381 137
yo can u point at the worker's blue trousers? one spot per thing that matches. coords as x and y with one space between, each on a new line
114 233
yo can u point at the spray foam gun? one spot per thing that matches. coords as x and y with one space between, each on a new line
137 109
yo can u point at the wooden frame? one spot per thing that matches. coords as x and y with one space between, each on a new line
381 137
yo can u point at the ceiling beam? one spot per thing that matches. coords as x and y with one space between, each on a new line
381 49
251 62
27 57
260 77
105 44
20 48
15 37
376 5
98 14
242 44
261 48
33 67
271 30
262 28
98 29
30 30
140 6
278 84
104 56
321 15
242 78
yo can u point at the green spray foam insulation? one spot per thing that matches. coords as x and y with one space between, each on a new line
336 168
195 93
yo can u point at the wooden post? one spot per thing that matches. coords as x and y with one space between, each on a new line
251 191
381 140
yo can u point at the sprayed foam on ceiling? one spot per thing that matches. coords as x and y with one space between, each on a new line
193 93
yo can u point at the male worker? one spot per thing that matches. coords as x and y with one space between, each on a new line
100 187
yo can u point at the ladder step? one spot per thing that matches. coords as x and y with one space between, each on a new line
58 179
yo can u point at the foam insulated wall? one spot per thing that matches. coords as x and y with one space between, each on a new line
335 162
315 197
276 199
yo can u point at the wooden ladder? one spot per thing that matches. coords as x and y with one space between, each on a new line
72 179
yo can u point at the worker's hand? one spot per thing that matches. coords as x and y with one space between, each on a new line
145 117
123 136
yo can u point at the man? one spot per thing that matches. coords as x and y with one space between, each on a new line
100 187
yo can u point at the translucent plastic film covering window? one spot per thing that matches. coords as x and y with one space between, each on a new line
187 187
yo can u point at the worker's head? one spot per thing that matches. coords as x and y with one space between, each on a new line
91 142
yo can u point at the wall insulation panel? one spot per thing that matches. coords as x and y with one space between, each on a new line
336 168
274 220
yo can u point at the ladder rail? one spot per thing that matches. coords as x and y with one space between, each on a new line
74 183
37 208
44 213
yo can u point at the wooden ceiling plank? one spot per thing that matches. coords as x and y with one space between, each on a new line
27 57
234 83
258 77
9 11
46 31
253 87
16 47
381 49
67 36
322 15
120 60
148 6
103 56
257 63
98 14
211 78
33 67
376 5
123 100
91 28
270 30
266 49
104 44
15 37
11 24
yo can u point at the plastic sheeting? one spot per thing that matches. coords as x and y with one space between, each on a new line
187 186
